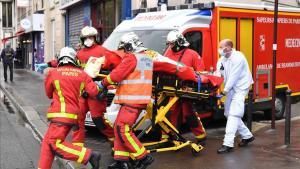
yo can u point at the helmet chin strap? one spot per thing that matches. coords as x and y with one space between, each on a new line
177 47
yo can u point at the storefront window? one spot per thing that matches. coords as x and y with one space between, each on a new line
105 17
109 21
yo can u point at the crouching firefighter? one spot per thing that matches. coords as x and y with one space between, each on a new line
64 86
134 78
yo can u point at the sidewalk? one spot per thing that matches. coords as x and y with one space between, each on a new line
267 151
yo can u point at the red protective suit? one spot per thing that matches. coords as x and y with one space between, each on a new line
188 57
64 86
126 143
96 107
192 59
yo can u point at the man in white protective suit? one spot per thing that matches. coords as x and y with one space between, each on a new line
233 66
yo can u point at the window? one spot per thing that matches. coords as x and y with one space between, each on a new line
144 4
53 43
6 14
189 1
152 39
195 40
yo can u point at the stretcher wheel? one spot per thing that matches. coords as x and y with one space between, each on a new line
195 153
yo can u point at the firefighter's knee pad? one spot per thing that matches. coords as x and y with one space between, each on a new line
192 121
98 121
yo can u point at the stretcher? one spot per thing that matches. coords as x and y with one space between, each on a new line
167 89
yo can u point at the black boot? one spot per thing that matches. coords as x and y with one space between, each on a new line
245 142
224 149
144 162
201 141
95 159
119 165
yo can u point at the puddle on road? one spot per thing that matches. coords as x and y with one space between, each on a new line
9 108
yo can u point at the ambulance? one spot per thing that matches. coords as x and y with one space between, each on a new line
250 26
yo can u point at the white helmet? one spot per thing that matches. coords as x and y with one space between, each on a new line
88 31
176 36
130 42
67 55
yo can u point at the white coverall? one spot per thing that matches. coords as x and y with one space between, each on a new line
237 80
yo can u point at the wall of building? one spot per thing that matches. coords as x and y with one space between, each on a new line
53 42
7 31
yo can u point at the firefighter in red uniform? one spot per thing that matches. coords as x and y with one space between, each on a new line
96 107
64 86
134 76
179 52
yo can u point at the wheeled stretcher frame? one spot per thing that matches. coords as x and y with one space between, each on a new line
167 89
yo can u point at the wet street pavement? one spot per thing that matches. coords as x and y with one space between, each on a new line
19 147
267 151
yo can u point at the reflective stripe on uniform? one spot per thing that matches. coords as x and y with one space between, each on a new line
61 97
81 88
138 81
138 150
82 65
142 150
132 97
109 80
121 153
78 144
80 154
62 114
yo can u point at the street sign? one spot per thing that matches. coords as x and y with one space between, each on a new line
25 23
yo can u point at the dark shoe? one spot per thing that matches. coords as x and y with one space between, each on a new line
245 142
144 162
201 141
5 80
224 149
95 159
119 165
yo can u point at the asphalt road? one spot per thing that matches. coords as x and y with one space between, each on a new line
18 148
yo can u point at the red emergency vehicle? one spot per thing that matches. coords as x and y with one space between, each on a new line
250 26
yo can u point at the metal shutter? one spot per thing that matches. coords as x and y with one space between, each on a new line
75 24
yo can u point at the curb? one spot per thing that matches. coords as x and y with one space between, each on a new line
35 122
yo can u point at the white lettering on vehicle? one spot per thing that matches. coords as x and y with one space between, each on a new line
279 20
279 65
292 43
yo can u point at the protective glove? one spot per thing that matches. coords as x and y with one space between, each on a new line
85 94
224 92
102 94
100 85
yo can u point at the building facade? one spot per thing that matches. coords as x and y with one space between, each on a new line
104 15
54 29
29 33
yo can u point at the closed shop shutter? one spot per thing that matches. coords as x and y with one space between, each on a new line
75 24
